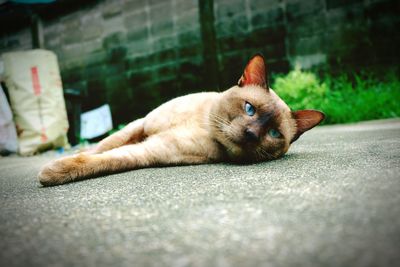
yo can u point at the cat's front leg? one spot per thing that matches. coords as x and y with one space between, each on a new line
83 165
171 148
65 169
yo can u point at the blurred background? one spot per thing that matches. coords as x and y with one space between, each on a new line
335 55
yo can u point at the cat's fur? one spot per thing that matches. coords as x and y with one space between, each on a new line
194 129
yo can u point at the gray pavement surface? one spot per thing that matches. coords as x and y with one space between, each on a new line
333 200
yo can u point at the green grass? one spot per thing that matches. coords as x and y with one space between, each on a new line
346 98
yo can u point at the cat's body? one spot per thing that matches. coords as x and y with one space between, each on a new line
246 123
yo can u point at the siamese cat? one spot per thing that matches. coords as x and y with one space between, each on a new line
244 124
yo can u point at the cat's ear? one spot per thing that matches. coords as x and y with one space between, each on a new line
255 73
305 120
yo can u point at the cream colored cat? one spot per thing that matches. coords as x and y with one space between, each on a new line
246 123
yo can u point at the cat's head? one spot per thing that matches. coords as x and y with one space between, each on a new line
253 123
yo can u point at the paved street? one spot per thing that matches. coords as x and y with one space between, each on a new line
333 200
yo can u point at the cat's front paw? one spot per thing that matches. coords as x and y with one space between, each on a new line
60 171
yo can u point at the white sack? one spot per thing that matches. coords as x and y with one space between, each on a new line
8 135
36 95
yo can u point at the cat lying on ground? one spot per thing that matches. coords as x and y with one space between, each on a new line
246 123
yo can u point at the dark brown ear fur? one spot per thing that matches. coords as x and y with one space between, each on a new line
255 73
305 120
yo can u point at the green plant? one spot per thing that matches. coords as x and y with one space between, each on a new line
301 90
343 98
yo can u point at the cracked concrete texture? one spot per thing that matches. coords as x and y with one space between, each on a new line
333 200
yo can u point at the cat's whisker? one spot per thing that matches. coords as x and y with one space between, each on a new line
259 155
218 122
266 153
219 119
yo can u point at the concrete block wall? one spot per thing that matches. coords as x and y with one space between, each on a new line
136 54
341 35
244 27
20 40
121 51
350 35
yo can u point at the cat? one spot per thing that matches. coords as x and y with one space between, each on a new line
244 124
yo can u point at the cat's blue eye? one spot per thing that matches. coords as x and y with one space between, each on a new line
250 110
274 133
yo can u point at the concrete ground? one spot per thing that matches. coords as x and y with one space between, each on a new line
334 200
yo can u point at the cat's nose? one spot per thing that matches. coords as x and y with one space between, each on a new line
250 135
